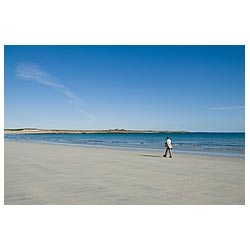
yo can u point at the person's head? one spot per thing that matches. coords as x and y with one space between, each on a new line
167 137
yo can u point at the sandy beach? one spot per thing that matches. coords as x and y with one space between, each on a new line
63 174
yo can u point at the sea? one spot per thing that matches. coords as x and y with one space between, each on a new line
218 144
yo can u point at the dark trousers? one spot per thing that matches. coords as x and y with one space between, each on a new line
168 150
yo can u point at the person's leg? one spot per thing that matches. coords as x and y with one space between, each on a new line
165 153
170 153
167 149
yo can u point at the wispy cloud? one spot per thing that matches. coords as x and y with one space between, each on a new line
30 71
228 108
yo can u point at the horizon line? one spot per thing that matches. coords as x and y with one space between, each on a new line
122 129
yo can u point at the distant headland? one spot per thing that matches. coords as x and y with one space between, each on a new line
64 131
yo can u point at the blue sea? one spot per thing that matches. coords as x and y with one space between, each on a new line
221 144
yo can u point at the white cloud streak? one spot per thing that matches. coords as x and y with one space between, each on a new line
30 71
228 108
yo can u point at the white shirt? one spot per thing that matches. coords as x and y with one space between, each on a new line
168 141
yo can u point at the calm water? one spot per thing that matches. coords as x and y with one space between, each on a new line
226 144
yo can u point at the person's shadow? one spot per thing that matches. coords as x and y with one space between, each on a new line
151 155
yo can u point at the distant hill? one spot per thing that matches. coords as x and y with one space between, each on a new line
62 131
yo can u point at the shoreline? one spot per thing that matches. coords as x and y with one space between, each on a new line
211 154
37 173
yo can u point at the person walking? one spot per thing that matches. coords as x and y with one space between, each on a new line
169 147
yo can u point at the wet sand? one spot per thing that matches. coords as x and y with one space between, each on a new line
63 174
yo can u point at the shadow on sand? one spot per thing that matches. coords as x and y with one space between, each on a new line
151 155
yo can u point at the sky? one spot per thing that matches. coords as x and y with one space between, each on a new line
191 88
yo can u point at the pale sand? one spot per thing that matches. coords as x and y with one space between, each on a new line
61 174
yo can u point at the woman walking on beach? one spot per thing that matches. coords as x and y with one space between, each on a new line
169 147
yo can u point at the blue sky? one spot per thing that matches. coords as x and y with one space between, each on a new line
194 88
